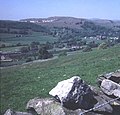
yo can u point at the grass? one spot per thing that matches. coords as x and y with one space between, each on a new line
10 39
17 48
21 83
36 36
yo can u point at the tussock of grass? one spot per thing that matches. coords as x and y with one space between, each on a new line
21 83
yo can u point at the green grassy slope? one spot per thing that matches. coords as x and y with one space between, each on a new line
23 82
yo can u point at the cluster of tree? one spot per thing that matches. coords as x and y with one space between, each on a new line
3 45
44 54
93 30
92 44
87 29
118 40
67 36
69 42
37 50
35 46
19 32
22 27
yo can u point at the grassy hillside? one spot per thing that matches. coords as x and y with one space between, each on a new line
23 82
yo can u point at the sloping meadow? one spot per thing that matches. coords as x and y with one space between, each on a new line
21 83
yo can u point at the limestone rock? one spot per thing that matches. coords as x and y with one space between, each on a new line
113 76
45 107
73 94
110 88
11 112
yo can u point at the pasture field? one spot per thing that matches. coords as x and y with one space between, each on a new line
17 48
22 82
26 39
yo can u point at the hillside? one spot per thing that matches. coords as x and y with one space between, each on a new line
15 33
7 26
78 27
23 82
71 22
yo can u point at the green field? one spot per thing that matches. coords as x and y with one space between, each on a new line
27 39
17 48
10 39
21 83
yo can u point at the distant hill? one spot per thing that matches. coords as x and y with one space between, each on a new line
7 26
64 27
79 26
72 22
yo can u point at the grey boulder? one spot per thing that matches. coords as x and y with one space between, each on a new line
110 88
73 94
45 107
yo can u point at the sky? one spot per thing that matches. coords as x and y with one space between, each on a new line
22 9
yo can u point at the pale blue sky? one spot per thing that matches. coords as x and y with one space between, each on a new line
19 9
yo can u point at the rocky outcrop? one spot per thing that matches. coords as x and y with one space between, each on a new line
74 93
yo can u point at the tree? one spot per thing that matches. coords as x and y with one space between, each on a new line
34 45
8 30
118 40
87 49
44 54
54 33
3 46
24 49
18 44
48 45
